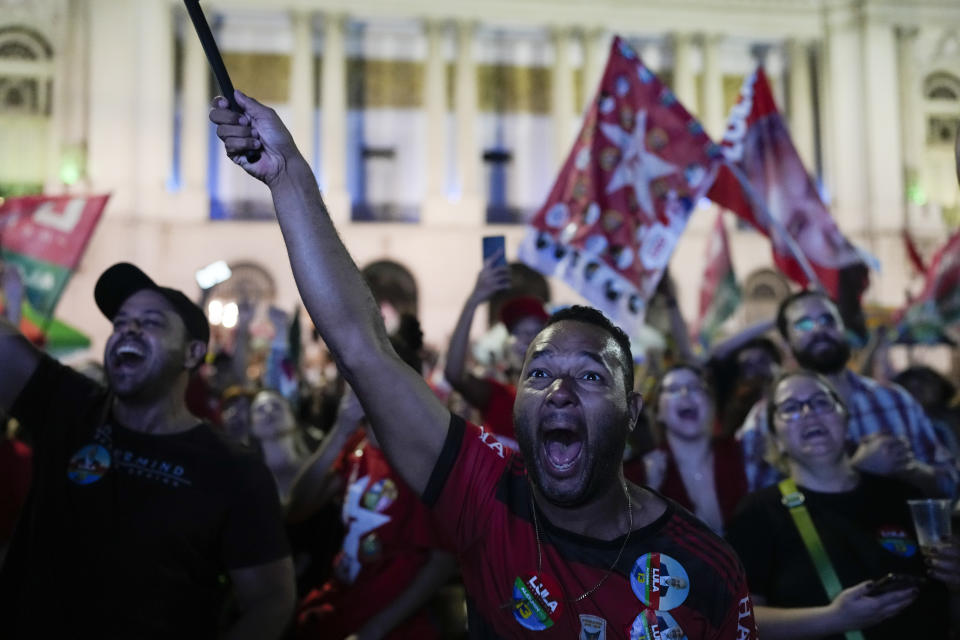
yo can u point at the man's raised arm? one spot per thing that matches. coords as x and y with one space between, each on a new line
410 423
18 358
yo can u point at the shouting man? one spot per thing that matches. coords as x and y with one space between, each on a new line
552 541
142 522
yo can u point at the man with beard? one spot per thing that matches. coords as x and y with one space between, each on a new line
143 522
553 543
888 434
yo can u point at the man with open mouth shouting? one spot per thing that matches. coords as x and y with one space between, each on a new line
143 522
552 541
888 432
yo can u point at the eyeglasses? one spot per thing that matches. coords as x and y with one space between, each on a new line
827 321
685 389
819 404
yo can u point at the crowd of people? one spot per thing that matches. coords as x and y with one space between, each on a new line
761 486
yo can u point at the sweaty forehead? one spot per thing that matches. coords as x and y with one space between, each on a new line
571 337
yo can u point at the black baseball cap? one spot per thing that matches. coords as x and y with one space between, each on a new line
123 279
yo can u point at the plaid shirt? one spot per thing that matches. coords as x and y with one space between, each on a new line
874 408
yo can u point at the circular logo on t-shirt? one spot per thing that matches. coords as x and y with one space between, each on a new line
656 625
89 464
659 581
536 602
897 541
380 495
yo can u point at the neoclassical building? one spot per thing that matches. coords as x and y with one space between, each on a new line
432 123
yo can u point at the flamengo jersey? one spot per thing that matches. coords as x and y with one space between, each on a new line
676 579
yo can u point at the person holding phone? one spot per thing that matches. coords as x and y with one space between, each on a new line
523 316
862 521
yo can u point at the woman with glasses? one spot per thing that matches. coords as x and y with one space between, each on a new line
703 474
860 522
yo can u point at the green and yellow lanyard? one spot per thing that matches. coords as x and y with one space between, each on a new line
793 500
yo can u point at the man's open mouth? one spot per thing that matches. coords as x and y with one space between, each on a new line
129 355
562 448
691 413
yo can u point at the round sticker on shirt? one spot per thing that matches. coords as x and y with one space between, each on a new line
659 581
897 541
380 495
89 464
656 625
536 602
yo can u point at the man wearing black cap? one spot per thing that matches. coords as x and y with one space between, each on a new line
142 522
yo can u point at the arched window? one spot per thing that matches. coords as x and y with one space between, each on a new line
394 284
25 71
763 290
248 282
941 85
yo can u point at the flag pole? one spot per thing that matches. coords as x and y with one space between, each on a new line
776 228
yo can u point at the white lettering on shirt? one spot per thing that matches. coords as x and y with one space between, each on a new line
744 610
543 593
491 441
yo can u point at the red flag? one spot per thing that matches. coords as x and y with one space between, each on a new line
758 144
937 308
915 258
623 196
45 236
719 292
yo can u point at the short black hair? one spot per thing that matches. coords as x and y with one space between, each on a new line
927 376
794 297
764 343
407 341
589 315
793 373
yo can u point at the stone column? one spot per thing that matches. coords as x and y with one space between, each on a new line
154 110
684 79
302 82
68 137
801 101
333 125
911 111
436 207
471 206
596 45
881 91
195 126
845 146
714 119
561 100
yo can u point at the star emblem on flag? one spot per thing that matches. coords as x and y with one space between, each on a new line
638 167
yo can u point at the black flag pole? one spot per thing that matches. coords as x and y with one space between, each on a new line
212 52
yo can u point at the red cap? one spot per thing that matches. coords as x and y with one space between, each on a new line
516 309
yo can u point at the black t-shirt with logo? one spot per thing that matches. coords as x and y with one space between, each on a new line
127 534
866 532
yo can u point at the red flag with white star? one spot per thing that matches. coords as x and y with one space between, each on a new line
638 167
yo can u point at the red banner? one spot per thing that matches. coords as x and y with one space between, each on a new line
638 167
936 311
719 294
45 236
758 144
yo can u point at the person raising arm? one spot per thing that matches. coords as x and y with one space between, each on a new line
411 422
